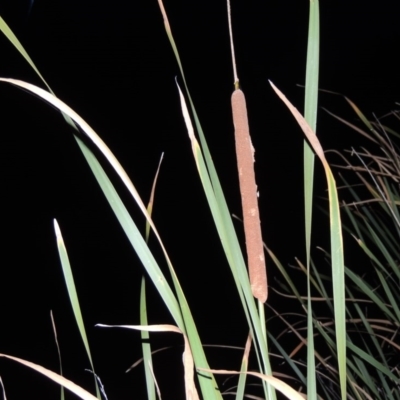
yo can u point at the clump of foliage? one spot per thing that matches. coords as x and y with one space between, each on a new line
372 288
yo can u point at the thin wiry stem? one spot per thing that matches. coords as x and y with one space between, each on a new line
235 76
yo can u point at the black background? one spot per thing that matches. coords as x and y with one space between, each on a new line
113 64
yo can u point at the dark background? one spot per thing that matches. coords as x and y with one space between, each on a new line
112 63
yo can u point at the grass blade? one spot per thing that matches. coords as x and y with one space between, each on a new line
73 296
145 336
310 114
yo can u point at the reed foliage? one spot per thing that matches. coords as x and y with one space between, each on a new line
348 353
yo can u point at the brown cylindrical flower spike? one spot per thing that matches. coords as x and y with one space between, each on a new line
248 190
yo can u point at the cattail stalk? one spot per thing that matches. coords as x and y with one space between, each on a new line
248 187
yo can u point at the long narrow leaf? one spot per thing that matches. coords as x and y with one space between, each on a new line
310 114
73 296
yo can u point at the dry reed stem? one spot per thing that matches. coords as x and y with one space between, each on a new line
235 76
248 191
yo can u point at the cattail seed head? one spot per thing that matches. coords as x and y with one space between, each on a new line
249 194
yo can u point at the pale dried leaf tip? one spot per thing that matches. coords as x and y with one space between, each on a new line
164 14
57 229
185 113
310 134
